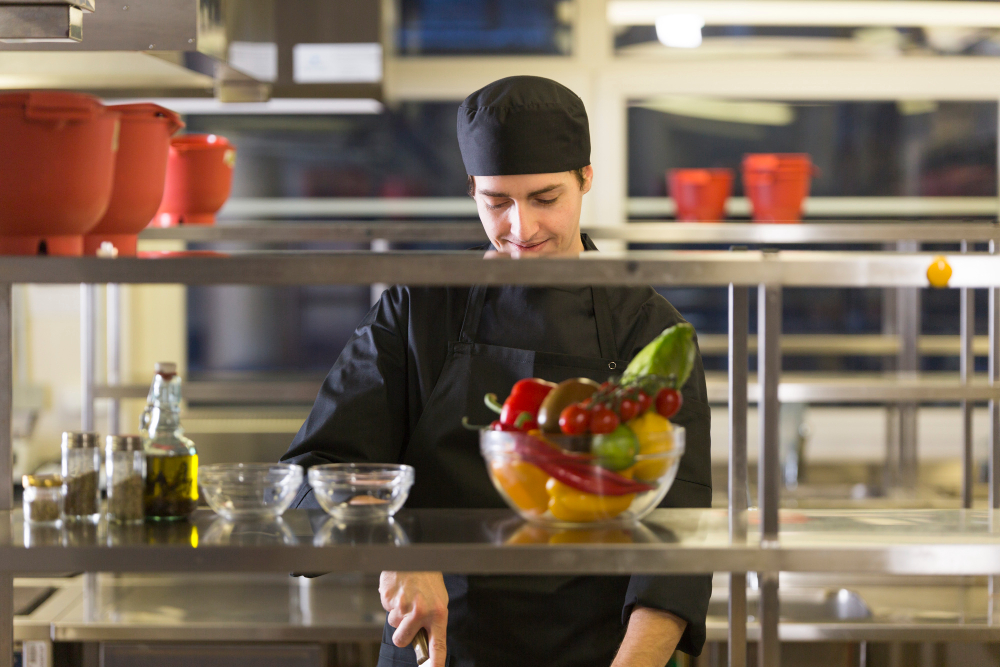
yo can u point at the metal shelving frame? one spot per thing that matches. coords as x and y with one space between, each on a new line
902 394
740 271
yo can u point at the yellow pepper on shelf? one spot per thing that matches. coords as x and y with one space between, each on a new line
524 484
568 504
655 435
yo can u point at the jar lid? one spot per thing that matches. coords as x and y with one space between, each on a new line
78 440
165 368
42 481
124 443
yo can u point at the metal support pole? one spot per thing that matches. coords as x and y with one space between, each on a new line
88 353
114 354
908 328
6 470
768 373
768 462
967 365
994 404
739 315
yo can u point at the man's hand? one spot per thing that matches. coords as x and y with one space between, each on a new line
417 600
651 638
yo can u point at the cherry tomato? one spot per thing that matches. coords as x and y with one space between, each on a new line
644 401
668 402
574 420
603 420
607 386
628 409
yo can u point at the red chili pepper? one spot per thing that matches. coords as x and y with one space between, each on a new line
525 398
576 470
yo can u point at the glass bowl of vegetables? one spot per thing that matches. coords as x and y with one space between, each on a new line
259 491
361 491
580 453
554 479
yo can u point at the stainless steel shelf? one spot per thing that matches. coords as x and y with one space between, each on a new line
875 345
704 268
794 388
915 542
271 392
664 231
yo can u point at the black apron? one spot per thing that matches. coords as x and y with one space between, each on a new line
503 621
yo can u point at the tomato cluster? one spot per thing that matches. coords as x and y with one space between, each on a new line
615 404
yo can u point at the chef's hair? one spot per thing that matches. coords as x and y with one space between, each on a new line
470 186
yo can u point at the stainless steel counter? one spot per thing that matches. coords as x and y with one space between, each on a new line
941 542
279 608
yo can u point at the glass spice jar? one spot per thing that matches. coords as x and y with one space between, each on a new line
125 467
42 499
81 469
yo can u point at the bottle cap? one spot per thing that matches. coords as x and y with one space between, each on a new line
165 368
78 440
123 443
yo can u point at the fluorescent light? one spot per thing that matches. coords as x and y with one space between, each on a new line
902 13
680 31
279 106
729 111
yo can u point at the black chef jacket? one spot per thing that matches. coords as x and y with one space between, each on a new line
373 398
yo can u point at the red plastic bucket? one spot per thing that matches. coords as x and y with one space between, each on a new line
777 185
140 171
700 194
57 166
199 178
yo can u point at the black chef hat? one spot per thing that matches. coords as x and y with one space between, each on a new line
523 125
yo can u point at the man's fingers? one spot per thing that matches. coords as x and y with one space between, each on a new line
438 643
406 631
395 617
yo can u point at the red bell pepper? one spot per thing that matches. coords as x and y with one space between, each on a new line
525 399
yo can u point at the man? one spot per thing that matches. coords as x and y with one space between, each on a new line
424 357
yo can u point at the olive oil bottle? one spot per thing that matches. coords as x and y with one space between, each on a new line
171 491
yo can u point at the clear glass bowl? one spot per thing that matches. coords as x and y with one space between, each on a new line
554 480
240 491
361 491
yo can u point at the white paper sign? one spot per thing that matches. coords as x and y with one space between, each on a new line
337 63
258 59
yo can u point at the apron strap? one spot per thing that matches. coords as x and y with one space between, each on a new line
605 326
473 313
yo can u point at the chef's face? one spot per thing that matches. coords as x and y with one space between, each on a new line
533 213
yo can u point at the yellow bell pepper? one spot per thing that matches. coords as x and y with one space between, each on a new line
524 484
655 435
568 504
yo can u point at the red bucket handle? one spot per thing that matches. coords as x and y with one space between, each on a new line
57 106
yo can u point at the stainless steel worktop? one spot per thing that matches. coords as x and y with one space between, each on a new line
276 607
941 542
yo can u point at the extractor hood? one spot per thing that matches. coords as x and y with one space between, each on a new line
43 20
233 50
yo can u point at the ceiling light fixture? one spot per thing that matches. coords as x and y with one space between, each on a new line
897 13
680 31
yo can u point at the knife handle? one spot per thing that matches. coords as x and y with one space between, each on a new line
420 646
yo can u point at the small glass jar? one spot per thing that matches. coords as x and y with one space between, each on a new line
125 467
81 470
42 499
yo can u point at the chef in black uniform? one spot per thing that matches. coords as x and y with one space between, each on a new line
424 357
